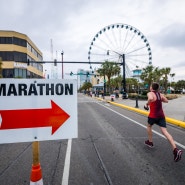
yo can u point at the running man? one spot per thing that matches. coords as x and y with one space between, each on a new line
156 115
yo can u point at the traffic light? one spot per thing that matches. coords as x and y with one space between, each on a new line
87 74
71 73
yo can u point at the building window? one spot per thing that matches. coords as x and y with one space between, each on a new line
16 72
20 73
7 55
19 42
5 40
13 56
7 73
20 57
13 40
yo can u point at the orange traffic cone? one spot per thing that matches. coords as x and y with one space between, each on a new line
36 175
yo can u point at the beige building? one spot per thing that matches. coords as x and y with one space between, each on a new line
16 49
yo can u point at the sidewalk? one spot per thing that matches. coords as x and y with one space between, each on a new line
174 108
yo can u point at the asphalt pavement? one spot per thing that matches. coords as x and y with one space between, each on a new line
174 109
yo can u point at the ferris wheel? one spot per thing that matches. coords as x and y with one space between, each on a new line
120 43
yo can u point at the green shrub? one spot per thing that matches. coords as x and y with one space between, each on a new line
171 96
144 92
135 95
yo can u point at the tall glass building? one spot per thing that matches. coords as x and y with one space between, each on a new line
82 77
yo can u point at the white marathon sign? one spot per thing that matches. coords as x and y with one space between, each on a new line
37 110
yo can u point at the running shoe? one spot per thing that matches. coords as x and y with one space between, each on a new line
149 144
177 154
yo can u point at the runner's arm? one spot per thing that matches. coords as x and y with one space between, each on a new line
150 98
164 99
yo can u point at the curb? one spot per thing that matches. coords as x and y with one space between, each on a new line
168 119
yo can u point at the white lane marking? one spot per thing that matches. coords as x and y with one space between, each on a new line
159 134
65 177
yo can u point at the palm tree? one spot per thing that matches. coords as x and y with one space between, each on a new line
171 76
86 86
151 74
115 83
180 85
165 72
131 82
157 74
148 75
109 69
118 81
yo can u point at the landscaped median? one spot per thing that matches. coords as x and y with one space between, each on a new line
169 120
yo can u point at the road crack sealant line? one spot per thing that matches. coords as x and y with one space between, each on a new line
15 160
102 163
168 119
56 163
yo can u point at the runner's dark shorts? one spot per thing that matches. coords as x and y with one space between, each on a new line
158 121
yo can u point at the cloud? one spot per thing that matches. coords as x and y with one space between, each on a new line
172 36
72 24
180 64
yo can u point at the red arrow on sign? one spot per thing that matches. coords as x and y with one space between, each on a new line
31 118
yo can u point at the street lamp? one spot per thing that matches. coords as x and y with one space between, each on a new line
124 78
62 53
104 85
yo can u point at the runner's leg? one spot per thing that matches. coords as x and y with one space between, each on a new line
168 136
149 131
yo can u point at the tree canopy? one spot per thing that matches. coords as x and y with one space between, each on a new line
155 74
109 69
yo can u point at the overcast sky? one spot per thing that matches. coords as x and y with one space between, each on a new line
72 24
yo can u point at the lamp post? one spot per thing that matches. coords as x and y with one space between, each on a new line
124 79
104 86
62 53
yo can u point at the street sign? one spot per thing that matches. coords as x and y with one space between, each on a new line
37 110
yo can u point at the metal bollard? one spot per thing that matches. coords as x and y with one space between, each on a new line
136 102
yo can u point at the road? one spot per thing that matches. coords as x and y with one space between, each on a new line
109 150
